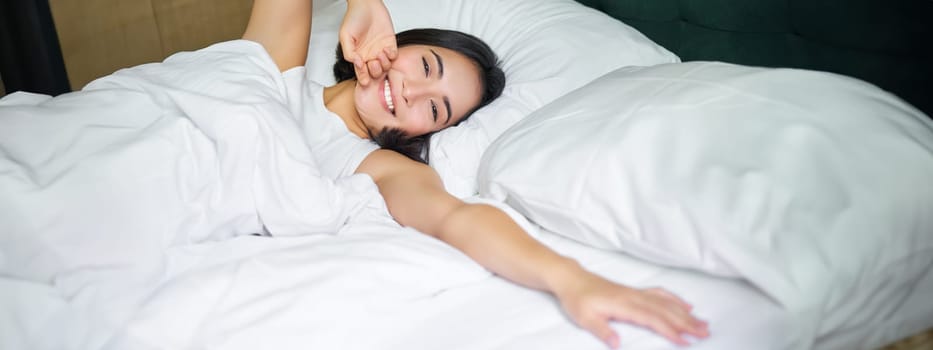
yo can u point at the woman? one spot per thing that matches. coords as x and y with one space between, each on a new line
421 89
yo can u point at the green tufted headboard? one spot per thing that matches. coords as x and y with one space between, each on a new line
885 42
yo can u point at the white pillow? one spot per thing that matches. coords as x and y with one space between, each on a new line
815 187
547 48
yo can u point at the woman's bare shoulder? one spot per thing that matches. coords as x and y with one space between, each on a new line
383 164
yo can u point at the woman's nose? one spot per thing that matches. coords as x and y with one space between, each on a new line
413 90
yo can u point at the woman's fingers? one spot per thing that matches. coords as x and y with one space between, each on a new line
347 42
667 329
599 327
362 72
359 68
380 64
375 68
686 321
371 70
662 312
647 314
671 317
594 301
663 292
385 61
391 51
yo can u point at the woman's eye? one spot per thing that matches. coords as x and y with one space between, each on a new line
434 111
426 68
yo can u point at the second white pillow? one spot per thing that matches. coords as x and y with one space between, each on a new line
812 186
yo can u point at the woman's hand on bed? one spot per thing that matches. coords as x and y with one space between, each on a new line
592 302
368 39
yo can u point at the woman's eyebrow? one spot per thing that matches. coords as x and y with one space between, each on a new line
440 71
440 63
447 104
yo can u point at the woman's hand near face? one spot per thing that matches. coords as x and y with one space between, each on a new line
592 302
368 39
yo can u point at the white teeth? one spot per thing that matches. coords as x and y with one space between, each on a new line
388 96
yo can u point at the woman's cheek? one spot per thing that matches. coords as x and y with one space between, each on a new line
416 125
427 125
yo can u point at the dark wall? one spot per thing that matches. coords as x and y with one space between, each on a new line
886 42
30 58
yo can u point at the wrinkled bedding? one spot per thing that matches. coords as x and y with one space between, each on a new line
368 287
177 205
96 185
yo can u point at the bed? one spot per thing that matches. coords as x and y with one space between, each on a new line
791 207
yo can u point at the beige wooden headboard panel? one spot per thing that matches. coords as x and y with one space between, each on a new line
98 37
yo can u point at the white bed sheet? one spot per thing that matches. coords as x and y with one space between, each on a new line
379 286
370 287
913 315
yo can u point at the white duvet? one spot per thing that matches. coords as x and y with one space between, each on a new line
96 185
199 147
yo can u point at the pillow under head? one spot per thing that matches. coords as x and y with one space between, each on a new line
547 48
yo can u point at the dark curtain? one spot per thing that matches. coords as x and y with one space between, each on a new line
30 57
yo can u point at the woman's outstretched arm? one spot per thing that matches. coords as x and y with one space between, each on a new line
283 28
416 197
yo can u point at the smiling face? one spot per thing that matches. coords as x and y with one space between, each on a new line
427 89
